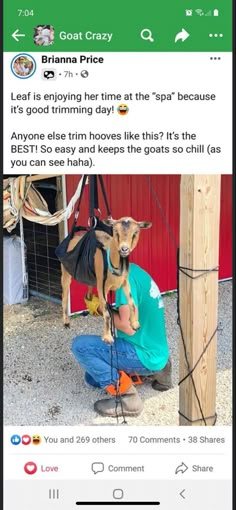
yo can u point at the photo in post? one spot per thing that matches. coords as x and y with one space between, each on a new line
62 364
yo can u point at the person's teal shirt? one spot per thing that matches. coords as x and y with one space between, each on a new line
150 340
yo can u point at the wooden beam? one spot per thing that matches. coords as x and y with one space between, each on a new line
199 249
40 177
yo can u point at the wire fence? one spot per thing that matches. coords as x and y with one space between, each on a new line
44 270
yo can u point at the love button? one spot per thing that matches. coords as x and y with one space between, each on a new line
49 469
30 468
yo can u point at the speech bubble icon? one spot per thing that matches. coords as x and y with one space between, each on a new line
97 467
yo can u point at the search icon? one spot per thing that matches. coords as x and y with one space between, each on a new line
146 34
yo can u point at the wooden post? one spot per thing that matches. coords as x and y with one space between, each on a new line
59 205
199 249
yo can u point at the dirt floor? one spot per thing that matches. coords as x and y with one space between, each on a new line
44 385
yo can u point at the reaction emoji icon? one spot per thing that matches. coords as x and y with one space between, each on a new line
123 109
36 439
15 439
30 468
26 439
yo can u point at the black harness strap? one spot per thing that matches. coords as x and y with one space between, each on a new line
93 195
93 200
104 196
79 262
78 206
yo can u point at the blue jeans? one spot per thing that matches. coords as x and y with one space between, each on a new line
102 361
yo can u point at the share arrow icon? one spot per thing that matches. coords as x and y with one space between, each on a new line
181 468
182 36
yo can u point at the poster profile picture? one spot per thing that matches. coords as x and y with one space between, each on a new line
23 65
43 35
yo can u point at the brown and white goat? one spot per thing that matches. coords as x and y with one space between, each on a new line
125 237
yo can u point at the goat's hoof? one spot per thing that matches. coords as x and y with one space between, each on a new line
67 325
108 339
135 325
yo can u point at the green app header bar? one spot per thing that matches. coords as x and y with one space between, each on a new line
102 25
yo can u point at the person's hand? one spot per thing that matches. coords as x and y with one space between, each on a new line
93 305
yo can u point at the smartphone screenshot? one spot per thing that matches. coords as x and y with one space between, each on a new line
117 255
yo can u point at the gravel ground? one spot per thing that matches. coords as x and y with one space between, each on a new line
44 384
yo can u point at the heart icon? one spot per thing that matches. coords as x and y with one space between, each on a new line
26 439
30 468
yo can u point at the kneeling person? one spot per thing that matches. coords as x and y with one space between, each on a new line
144 352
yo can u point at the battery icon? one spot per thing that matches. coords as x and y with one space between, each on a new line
216 12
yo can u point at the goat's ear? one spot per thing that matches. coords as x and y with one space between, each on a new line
109 222
144 224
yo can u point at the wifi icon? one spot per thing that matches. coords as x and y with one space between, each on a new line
199 12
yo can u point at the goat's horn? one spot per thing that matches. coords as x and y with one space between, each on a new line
144 224
109 222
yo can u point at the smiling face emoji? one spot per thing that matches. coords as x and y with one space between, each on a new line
36 439
122 109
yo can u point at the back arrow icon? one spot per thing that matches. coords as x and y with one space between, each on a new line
183 35
15 35
182 494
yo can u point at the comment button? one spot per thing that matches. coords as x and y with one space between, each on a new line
97 467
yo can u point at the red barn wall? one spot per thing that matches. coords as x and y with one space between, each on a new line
130 195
